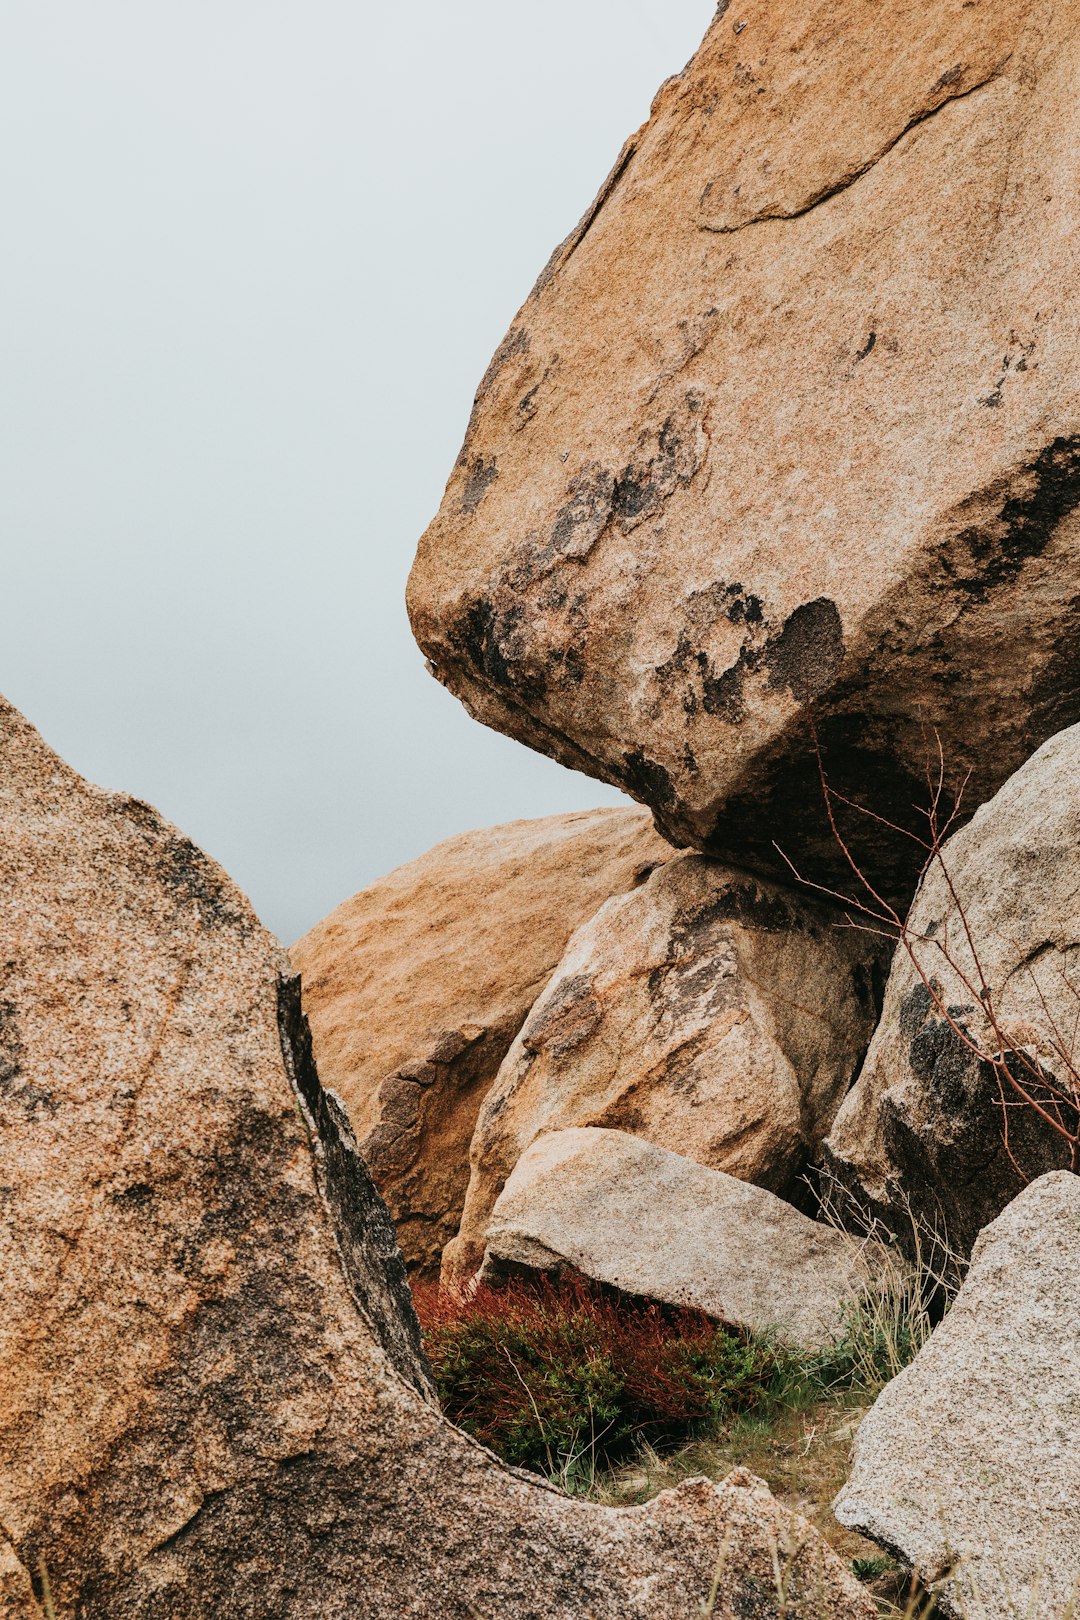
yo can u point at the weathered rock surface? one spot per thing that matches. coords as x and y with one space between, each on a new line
211 1393
969 1459
711 1012
924 1127
417 985
791 419
635 1217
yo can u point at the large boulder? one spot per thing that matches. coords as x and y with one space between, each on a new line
932 1129
632 1216
791 420
417 985
713 1013
968 1464
212 1395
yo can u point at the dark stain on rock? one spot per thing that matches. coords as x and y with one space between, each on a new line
479 479
365 1236
195 880
566 1021
11 1046
718 694
807 654
645 779
583 516
484 636
667 457
723 694
16 1086
987 556
949 1166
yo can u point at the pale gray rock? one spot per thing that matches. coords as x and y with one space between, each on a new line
631 1215
922 1131
970 1459
709 1011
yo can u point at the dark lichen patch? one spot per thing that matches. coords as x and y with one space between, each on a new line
983 557
748 904
479 479
949 1153
489 638
807 654
666 458
723 695
196 880
11 1046
943 1129
16 1086
702 687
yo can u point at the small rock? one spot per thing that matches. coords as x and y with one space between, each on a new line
635 1217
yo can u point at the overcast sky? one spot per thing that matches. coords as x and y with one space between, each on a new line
256 256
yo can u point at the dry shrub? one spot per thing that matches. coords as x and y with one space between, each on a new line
1035 1068
560 1377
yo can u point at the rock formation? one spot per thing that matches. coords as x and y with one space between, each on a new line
212 1397
968 1461
417 985
710 1012
923 1130
790 420
635 1217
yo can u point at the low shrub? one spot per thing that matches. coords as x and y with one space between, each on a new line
558 1377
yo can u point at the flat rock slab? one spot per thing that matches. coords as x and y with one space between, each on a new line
923 1130
709 1011
213 1400
790 421
416 986
970 1459
635 1217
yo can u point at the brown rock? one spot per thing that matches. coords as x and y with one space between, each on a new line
715 1014
211 1396
416 987
635 1217
923 1130
791 419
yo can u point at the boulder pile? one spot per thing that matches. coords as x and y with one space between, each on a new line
776 473
417 986
710 1012
213 1398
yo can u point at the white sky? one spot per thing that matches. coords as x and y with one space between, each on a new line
256 256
